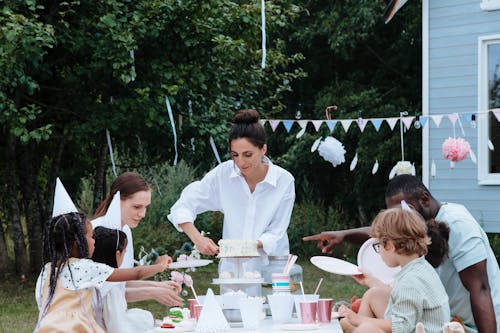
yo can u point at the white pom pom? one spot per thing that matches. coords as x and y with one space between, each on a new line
332 151
401 168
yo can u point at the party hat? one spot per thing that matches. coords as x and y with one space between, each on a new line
211 318
62 201
113 217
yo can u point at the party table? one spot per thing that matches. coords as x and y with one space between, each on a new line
268 326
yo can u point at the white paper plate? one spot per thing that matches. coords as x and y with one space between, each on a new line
335 265
372 262
238 281
185 326
189 263
299 327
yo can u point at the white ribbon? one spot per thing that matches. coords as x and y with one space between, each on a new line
214 148
110 146
171 117
263 14
132 78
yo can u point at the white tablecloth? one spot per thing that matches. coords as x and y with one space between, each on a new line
267 326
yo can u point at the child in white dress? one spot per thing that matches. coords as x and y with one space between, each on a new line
110 248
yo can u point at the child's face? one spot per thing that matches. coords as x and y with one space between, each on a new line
90 239
120 255
388 252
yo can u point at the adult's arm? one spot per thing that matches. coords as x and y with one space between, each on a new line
326 240
475 280
165 296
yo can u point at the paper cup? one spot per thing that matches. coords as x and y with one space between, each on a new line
251 310
325 310
191 303
281 307
308 312
197 311
300 298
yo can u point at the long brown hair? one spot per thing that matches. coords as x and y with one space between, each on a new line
128 184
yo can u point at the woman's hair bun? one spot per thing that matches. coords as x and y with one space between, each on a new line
248 116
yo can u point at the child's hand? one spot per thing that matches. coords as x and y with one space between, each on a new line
353 317
164 261
366 279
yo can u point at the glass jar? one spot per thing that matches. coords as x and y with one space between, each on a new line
276 265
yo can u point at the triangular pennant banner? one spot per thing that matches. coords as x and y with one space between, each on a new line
274 123
362 124
317 124
288 124
453 118
263 122
392 122
302 123
437 119
467 117
376 123
423 120
331 124
407 121
346 124
496 112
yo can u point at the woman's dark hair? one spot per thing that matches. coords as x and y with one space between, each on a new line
246 125
62 233
128 184
439 232
107 242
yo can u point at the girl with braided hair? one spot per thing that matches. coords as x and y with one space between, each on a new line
68 280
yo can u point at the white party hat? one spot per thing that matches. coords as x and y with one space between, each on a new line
211 318
113 217
62 201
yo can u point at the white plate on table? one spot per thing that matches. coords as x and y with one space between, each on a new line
372 262
335 265
189 263
299 327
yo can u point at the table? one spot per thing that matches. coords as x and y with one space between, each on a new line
267 326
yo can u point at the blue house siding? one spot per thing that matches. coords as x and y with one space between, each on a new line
453 30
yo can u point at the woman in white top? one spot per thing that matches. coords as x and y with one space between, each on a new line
255 196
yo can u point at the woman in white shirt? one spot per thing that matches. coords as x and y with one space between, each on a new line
255 196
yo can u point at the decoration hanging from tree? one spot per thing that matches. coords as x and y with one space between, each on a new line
332 150
402 167
455 149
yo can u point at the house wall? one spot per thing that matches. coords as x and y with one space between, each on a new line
450 84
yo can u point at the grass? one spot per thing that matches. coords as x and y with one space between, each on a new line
18 310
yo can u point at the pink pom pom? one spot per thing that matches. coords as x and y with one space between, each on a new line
455 150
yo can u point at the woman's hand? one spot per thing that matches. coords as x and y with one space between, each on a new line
168 295
169 285
206 246
164 261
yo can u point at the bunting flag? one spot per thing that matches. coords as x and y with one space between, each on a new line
496 112
407 121
171 117
317 124
376 123
423 120
437 119
302 123
274 124
453 118
361 124
263 122
392 122
288 124
346 123
331 124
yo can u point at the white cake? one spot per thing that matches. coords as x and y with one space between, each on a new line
237 248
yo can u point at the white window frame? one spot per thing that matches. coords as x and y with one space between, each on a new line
484 176
490 4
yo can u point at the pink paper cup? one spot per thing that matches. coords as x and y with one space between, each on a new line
308 312
325 310
197 311
191 303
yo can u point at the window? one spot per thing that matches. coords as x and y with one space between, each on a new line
489 99
490 4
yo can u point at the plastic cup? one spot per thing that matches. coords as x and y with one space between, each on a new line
191 303
308 312
299 298
280 283
251 310
325 310
281 307
197 311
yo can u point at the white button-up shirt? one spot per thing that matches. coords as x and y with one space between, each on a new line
262 215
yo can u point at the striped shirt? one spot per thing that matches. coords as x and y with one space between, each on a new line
417 296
